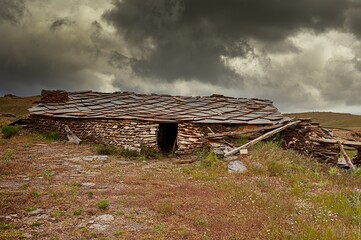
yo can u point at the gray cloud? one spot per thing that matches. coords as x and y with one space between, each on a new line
12 10
303 54
186 38
61 23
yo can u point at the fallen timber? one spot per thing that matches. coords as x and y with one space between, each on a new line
263 137
335 141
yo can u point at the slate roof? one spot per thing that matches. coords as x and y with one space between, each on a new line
162 108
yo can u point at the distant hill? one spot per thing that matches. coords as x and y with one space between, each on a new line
331 119
13 107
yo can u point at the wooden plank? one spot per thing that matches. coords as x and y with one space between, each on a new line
334 141
235 134
347 158
264 136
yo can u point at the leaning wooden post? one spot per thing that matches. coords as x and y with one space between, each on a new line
264 136
344 154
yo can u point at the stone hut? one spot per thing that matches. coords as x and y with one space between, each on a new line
177 124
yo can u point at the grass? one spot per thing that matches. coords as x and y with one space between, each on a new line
331 119
103 204
9 131
283 195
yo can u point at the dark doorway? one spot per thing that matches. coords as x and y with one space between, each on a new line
167 135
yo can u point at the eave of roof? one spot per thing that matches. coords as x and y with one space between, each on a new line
162 108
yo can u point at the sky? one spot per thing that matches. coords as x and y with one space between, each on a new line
304 55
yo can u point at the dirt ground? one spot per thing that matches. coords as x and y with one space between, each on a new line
52 190
56 190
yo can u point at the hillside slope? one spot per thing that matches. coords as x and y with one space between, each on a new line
331 119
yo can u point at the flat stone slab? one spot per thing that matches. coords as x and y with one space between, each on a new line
88 158
237 167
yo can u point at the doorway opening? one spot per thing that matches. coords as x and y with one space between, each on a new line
167 137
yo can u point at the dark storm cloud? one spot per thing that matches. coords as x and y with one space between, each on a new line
12 10
186 39
49 54
60 23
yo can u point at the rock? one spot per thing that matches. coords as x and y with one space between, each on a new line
236 166
37 212
11 216
104 218
88 184
96 157
71 136
99 227
27 235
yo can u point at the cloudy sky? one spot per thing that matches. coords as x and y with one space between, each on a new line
305 55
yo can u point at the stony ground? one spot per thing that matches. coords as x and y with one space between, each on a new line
55 190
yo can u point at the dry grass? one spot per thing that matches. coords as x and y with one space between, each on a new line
283 196
17 106
330 119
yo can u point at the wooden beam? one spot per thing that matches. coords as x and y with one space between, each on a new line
235 134
263 137
335 141
344 154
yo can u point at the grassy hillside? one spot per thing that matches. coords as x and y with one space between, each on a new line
17 106
331 119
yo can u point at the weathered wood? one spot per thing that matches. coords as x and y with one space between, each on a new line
334 141
234 133
71 136
264 136
347 158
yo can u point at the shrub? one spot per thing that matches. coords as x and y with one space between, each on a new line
106 150
52 136
78 211
9 131
104 204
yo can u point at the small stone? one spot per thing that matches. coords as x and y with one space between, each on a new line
82 225
88 184
104 218
236 166
98 227
27 235
96 157
36 212
73 159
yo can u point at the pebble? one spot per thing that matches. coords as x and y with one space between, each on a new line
36 212
88 184
99 227
104 218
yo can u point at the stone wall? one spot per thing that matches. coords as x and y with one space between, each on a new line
189 138
129 134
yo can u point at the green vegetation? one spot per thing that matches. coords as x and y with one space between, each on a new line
330 119
78 211
52 136
9 131
49 173
103 204
8 155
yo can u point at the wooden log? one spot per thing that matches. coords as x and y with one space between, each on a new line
334 141
235 134
347 158
263 137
